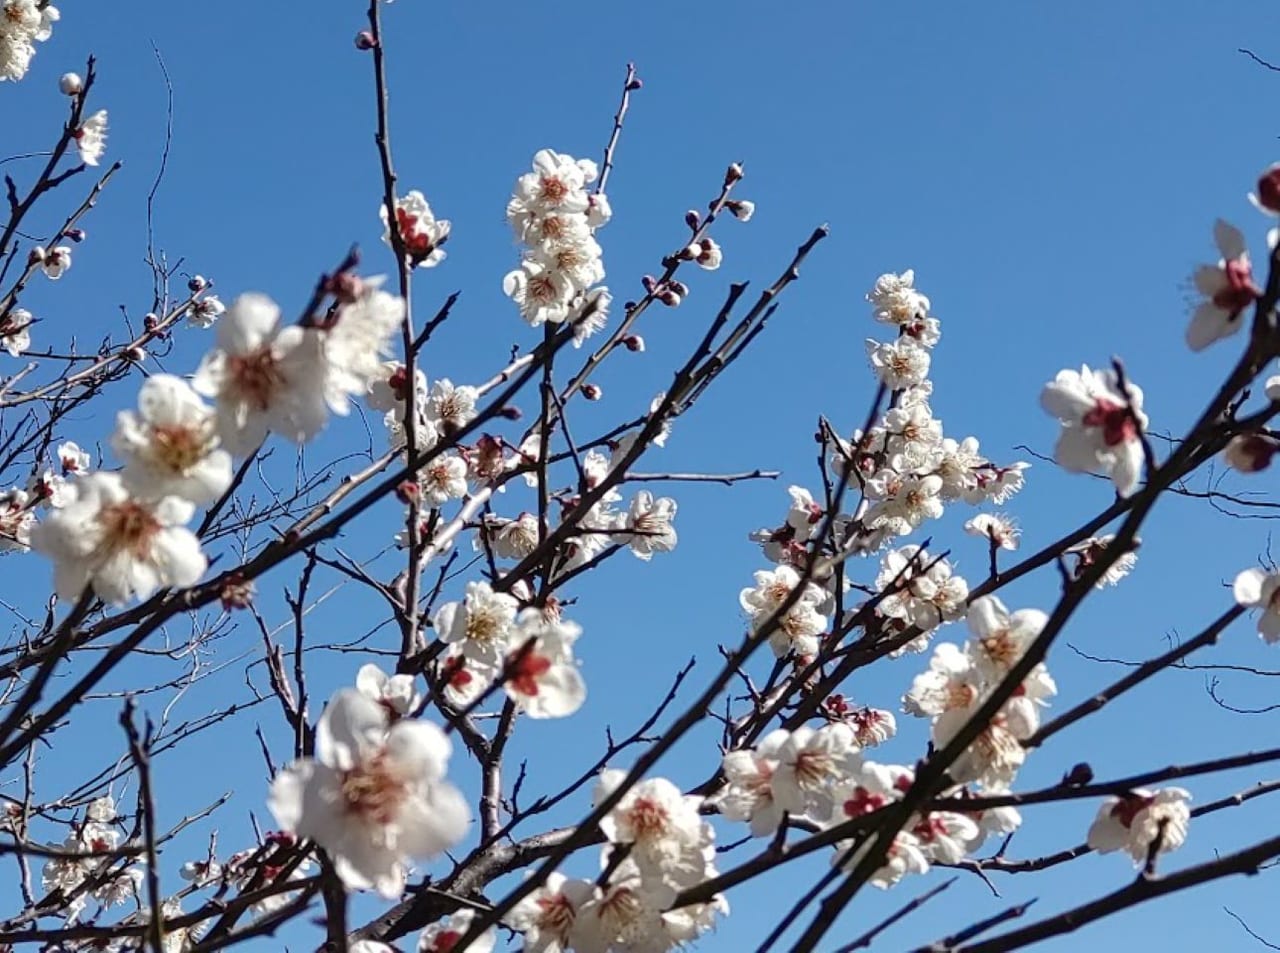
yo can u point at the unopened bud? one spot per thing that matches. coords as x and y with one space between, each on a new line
365 40
408 492
1250 453
197 283
510 412
669 296
77 235
690 253
692 219
648 281
136 354
742 210
634 83
733 173
1080 774
71 84
150 322
1267 197
591 391
679 287
633 343
35 256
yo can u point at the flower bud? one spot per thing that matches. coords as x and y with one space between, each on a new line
365 40
150 322
77 235
408 492
692 219
669 297
709 255
511 412
634 83
690 253
741 209
71 84
1250 453
136 354
346 286
679 287
197 283
591 391
1267 196
35 256
633 343
648 281
733 173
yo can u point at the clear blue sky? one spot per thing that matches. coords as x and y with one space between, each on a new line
1051 171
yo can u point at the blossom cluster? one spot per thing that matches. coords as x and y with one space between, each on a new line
23 24
90 871
555 218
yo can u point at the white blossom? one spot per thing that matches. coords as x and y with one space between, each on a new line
1228 289
647 525
15 331
169 445
263 377
422 233
1255 589
372 796
898 364
205 312
482 624
546 916
91 138
16 520
124 547
443 936
1132 822
1101 428
540 673
397 694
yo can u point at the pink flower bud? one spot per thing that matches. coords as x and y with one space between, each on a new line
679 287
1250 453
197 283
1267 196
633 343
511 412
669 297
648 281
634 83
408 492
150 322
71 84
77 235
733 173
692 219
365 40
592 391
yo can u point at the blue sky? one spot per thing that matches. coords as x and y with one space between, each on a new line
1052 172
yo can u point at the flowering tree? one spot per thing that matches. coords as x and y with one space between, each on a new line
503 506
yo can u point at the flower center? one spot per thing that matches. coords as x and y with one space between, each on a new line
552 190
256 377
525 671
128 526
862 801
648 818
556 915
1118 425
1126 809
180 448
483 624
1240 290
371 791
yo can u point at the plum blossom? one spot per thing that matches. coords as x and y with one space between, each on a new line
1101 427
810 762
748 793
922 589
1001 637
546 916
263 377
451 406
895 300
1091 550
443 936
15 331
999 529
797 630
397 694
1228 288
1256 589
16 520
357 342
898 364
482 624
73 459
421 232
443 479
206 312
373 796
53 262
91 138
123 546
22 24
648 528
1133 822
952 681
540 673
662 825
169 445
994 757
